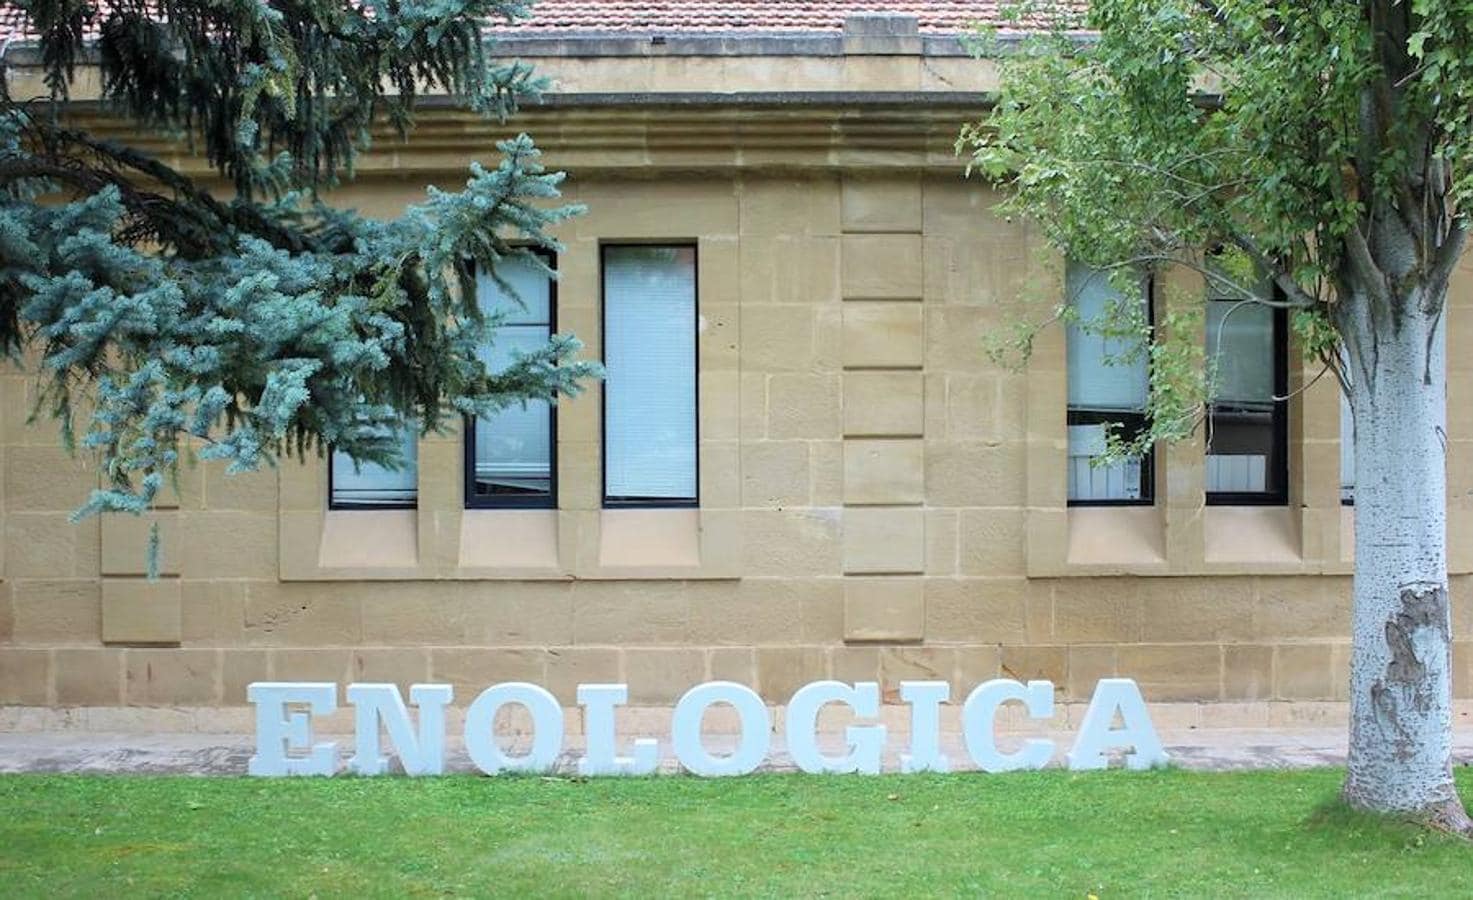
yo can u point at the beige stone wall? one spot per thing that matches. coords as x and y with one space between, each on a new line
879 500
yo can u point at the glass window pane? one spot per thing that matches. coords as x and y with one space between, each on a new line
1243 441
1094 383
1126 480
1347 451
1105 390
1240 342
370 484
513 449
650 380
532 303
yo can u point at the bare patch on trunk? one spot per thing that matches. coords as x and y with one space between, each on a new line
1422 606
1405 689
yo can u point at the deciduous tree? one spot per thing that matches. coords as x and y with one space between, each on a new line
1323 151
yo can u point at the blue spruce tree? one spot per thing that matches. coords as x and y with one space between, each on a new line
270 323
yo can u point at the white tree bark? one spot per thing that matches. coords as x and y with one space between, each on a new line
1400 690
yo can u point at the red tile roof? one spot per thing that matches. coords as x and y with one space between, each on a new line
561 17
935 16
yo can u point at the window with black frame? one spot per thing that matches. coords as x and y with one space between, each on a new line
1247 422
510 457
1109 378
1347 446
353 485
650 386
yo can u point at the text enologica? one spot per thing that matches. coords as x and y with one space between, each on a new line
284 744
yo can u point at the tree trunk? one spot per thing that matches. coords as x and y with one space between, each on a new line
1400 674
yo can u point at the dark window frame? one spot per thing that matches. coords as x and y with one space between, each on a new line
603 418
1129 420
334 505
1278 471
472 500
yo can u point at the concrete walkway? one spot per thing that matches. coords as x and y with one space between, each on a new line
1221 749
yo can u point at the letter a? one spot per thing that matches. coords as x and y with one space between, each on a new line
1095 735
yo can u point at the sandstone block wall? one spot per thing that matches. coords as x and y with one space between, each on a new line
880 501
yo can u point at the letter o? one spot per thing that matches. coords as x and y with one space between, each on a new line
752 742
547 729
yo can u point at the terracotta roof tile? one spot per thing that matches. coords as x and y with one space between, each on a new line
693 16
935 16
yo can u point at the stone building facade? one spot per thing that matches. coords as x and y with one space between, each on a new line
878 499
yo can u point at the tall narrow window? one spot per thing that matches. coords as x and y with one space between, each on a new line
649 338
370 486
1108 384
510 456
1247 428
1347 451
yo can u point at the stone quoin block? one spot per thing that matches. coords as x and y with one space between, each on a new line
882 267
881 205
141 611
884 471
884 404
125 543
884 540
883 335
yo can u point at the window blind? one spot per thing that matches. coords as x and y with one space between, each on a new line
369 484
1347 451
1246 435
1095 383
513 449
1105 391
650 378
1241 346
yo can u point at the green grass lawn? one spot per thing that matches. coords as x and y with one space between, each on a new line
1053 834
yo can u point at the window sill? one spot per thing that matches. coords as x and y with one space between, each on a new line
1096 540
666 543
1116 536
509 543
371 543
1258 536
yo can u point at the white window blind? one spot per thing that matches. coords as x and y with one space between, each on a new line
1241 432
1089 480
650 379
368 484
1104 390
1347 451
1240 343
513 449
1093 383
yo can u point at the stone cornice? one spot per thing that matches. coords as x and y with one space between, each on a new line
641 139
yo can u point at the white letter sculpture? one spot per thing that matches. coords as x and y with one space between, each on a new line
375 703
925 699
979 716
278 731
547 729
752 742
1095 734
866 742
598 702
